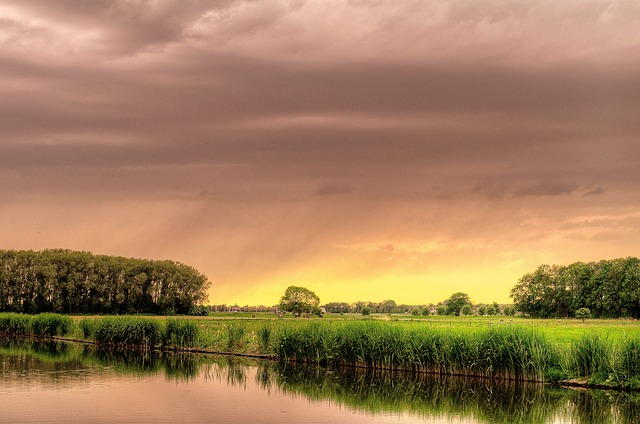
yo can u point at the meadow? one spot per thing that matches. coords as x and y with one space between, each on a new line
561 332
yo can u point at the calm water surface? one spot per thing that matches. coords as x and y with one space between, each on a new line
70 383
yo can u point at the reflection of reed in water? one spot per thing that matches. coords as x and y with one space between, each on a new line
48 363
44 360
600 406
485 400
231 370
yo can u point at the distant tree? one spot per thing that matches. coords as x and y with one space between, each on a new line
298 300
456 302
337 307
388 306
509 310
482 310
441 310
365 311
583 313
415 311
199 310
357 306
425 311
466 310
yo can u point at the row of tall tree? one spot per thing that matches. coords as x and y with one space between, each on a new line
66 281
382 307
457 304
608 288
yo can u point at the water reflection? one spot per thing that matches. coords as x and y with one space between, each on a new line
373 393
483 400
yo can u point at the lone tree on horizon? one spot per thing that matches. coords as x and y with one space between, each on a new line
298 300
456 302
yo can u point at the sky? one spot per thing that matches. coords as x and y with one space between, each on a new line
366 150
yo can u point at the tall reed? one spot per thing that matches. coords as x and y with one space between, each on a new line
590 355
180 333
627 364
87 327
264 336
49 325
507 352
235 334
126 331
15 324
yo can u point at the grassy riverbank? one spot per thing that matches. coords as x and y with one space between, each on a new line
594 352
513 352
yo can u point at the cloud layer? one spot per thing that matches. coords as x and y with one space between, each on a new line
363 148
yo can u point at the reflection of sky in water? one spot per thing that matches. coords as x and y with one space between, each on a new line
74 385
67 390
105 398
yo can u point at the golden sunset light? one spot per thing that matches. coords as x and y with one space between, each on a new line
366 150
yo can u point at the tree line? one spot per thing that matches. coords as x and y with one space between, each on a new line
457 304
608 289
69 282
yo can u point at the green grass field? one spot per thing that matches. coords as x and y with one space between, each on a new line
215 327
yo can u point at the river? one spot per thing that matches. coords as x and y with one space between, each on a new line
74 383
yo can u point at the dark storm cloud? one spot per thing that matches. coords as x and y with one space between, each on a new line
449 111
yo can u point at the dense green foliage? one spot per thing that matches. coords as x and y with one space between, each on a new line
65 281
506 351
180 332
609 288
510 352
590 355
126 330
49 325
140 331
15 324
457 302
45 325
627 363
583 313
300 300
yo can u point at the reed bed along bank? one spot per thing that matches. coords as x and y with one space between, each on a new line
507 352
42 325
140 331
515 353
112 330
